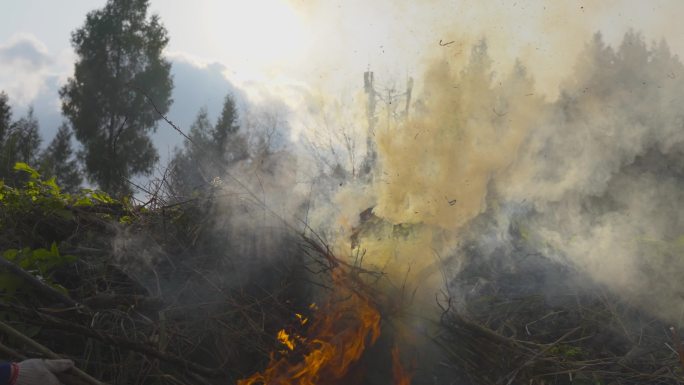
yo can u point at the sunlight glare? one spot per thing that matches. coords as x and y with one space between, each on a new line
260 35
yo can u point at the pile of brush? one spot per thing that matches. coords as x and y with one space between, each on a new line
160 293
521 318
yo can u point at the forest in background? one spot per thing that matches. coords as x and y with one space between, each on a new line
565 269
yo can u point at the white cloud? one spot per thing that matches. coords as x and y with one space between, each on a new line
25 50
28 68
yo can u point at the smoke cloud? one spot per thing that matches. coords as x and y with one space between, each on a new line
601 172
591 179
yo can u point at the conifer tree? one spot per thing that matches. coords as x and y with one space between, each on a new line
230 146
120 87
21 144
59 161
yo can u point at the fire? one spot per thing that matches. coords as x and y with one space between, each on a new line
285 339
338 334
400 374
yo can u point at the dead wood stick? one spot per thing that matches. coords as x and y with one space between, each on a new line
61 324
105 301
11 353
76 372
513 374
678 344
64 378
37 284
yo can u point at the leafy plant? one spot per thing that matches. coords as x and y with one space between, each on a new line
38 260
45 196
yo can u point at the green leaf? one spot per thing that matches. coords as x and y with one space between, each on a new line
10 254
102 197
21 166
52 183
83 201
126 220
42 254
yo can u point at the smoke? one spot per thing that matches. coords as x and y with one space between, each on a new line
574 150
436 166
591 179
602 172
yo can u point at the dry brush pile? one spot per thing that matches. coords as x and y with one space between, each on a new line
162 293
519 317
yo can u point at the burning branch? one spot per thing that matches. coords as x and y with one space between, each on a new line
338 334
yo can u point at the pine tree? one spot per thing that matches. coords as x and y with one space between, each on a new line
59 161
27 138
5 117
120 86
210 151
229 145
21 144
6 155
190 163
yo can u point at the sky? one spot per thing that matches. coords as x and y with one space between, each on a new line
288 50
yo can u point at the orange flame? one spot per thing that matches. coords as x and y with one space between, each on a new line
337 336
285 339
401 375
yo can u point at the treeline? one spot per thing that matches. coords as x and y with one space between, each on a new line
119 91
20 141
207 152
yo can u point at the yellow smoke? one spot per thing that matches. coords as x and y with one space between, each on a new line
478 126
435 167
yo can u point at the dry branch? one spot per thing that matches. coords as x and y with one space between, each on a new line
76 372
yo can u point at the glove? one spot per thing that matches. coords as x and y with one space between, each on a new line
41 372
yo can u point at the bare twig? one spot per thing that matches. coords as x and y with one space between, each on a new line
10 331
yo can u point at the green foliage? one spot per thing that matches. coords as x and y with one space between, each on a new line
120 66
38 260
126 220
36 195
44 197
24 208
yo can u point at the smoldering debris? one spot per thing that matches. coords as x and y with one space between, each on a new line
592 177
516 316
557 223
